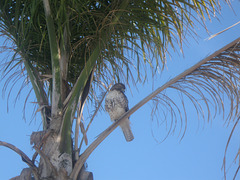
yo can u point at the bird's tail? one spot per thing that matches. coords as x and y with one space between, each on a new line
125 126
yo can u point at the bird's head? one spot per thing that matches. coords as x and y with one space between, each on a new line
118 87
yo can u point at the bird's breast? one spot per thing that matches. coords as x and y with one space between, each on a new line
115 104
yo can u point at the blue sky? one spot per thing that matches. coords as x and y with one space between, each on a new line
198 156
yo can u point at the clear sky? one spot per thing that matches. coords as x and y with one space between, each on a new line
198 156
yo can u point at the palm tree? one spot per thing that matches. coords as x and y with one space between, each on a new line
68 50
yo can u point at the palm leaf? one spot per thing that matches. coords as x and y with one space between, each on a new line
38 87
154 24
212 76
56 77
65 143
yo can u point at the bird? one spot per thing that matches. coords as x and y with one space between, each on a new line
116 104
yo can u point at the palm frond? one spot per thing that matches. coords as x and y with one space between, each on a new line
208 86
144 29
38 87
211 86
65 144
55 58
214 35
212 77
139 37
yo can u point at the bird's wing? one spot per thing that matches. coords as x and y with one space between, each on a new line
124 101
108 104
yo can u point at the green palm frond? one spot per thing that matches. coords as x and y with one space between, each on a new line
55 62
140 36
144 29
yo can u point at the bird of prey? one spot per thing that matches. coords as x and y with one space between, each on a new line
116 104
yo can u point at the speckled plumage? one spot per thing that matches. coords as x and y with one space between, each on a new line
116 104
